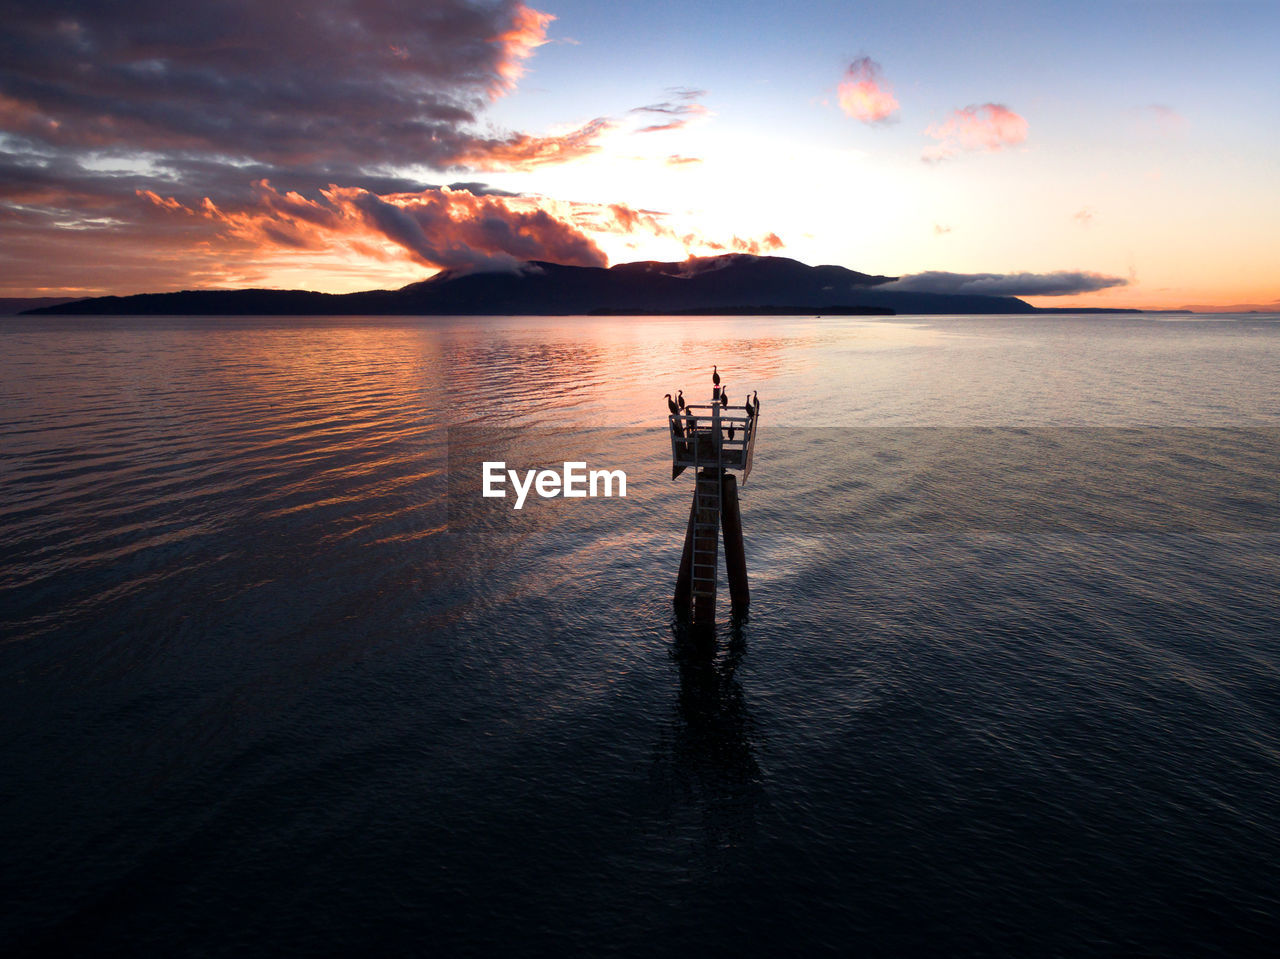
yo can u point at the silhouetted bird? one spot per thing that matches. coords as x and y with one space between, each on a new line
680 399
724 397
715 376
755 401
731 433
671 405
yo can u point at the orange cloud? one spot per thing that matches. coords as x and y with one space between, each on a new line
438 228
523 151
989 127
864 95
442 228
164 203
770 241
528 31
676 160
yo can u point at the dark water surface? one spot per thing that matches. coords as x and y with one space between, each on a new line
277 679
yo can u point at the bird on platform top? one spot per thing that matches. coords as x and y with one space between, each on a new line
671 405
680 399
715 376
724 397
755 401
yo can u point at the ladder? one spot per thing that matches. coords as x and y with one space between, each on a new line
706 535
706 528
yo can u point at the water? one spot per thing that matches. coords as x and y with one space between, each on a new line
276 677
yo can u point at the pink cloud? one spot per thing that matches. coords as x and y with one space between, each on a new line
864 95
1162 121
989 127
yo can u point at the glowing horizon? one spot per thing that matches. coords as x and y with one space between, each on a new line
341 155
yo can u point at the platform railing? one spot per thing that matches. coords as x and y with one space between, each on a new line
700 437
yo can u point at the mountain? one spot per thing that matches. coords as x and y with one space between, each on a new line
13 305
733 282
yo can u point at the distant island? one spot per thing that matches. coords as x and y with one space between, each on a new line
733 283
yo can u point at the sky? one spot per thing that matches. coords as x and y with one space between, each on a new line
1082 154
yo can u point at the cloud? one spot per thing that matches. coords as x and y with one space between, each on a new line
101 111
989 127
527 32
1162 121
864 95
437 227
361 81
522 151
675 113
444 228
1062 283
206 143
1083 216
940 229
676 160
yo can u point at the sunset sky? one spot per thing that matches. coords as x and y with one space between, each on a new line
1111 153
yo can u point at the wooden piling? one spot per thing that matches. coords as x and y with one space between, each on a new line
735 557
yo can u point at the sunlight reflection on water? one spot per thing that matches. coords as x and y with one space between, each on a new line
1011 656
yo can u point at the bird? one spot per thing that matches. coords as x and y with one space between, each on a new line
715 376
755 401
724 397
680 399
671 405
731 434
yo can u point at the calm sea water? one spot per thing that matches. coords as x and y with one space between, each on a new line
277 679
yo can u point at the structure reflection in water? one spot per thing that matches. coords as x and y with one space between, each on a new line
709 760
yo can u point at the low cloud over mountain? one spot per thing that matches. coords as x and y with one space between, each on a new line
1062 283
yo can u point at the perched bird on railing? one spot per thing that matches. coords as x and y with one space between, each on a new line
731 429
724 397
755 401
680 399
676 428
